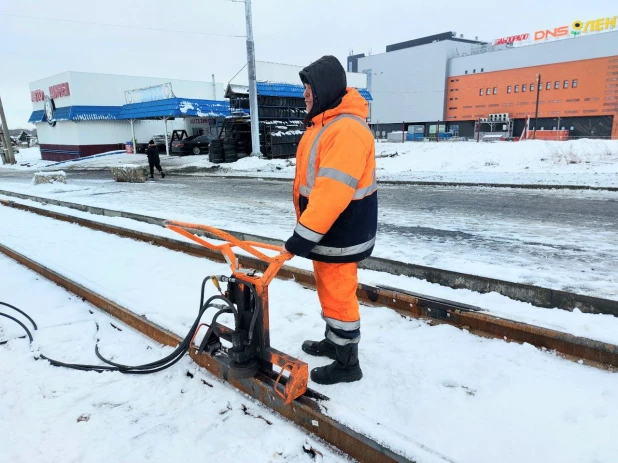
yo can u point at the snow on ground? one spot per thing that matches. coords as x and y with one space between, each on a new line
167 416
579 257
534 162
466 397
30 159
593 326
577 162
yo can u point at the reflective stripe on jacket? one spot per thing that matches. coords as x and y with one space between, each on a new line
335 190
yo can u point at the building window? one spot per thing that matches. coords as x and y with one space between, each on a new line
481 92
557 85
532 87
508 89
574 84
548 85
488 92
483 69
466 71
473 71
495 90
523 88
516 88
566 84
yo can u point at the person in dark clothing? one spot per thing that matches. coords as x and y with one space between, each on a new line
153 159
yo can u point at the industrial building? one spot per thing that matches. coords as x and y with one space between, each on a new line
79 114
447 83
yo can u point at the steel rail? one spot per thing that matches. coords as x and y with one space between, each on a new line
594 353
535 295
306 411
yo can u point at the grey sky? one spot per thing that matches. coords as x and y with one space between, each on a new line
286 31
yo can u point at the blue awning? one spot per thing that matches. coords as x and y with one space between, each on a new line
172 107
175 107
293 90
79 113
37 116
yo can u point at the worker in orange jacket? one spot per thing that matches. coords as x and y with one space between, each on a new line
336 201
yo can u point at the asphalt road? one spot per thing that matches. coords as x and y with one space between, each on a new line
557 238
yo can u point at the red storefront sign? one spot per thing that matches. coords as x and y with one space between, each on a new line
37 95
512 39
59 90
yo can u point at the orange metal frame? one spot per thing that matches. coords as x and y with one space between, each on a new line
296 383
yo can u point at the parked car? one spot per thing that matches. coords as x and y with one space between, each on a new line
196 144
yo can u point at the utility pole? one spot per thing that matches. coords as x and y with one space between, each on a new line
538 94
253 103
10 156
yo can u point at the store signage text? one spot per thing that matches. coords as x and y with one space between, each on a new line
37 96
577 28
512 39
59 90
55 91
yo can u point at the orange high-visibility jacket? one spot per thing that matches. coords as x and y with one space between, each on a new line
335 190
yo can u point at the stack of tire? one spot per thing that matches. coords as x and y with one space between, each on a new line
215 151
242 149
229 149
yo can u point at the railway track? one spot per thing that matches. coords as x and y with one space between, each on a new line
591 352
535 295
306 411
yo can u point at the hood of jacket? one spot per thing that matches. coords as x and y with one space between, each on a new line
328 82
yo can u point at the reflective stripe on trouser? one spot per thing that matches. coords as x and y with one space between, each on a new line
337 284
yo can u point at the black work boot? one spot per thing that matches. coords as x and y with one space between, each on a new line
345 369
323 348
162 174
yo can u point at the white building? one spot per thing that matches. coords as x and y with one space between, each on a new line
408 82
80 114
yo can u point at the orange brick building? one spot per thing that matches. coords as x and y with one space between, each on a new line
446 82
583 94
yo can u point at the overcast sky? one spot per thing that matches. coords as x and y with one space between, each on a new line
286 31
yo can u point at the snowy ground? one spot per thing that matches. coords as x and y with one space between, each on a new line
30 159
469 398
49 414
579 162
545 245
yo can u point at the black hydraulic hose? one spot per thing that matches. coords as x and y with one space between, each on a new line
152 367
19 323
21 312
212 328
182 348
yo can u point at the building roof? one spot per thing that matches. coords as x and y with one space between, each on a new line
79 113
279 89
175 107
452 36
171 108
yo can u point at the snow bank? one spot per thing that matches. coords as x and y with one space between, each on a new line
525 156
129 173
49 177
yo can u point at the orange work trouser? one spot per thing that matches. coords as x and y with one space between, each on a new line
337 284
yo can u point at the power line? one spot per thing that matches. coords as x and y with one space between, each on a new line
125 26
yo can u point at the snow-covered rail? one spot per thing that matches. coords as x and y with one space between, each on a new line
595 353
304 411
535 295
